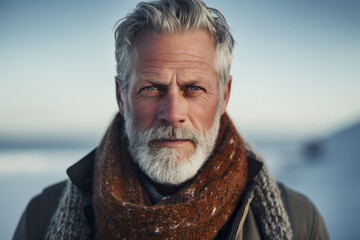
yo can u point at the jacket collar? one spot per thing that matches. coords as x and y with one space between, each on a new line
254 167
81 173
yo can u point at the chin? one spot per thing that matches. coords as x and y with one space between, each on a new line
169 165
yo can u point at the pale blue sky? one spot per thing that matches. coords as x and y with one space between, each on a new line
295 70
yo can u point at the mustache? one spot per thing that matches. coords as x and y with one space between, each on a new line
160 133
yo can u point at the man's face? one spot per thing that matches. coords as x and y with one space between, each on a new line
173 83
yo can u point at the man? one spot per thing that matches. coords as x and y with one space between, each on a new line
171 165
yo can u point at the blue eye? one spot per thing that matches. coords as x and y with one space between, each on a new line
194 88
150 88
150 91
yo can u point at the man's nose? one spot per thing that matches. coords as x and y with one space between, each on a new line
172 108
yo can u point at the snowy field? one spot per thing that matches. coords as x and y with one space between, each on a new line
23 174
326 171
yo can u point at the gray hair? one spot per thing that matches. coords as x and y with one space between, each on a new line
168 16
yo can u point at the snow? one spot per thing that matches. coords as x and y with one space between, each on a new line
328 175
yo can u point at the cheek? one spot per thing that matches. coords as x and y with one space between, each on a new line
203 115
144 113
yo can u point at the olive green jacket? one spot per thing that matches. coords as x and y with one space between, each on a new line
305 219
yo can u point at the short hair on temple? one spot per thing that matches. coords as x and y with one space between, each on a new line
170 16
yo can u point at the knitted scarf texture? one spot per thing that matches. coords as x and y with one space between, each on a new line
197 211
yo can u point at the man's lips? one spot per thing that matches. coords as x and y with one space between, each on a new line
171 143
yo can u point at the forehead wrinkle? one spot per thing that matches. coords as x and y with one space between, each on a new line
176 61
175 55
158 70
185 56
181 79
196 73
183 65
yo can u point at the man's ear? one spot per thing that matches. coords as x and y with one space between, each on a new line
118 97
226 96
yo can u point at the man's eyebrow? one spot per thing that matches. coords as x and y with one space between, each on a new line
193 81
156 81
152 80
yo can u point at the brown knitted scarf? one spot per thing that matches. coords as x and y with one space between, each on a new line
197 211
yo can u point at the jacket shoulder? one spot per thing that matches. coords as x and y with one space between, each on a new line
37 215
305 218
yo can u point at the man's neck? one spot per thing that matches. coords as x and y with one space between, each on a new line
161 188
166 189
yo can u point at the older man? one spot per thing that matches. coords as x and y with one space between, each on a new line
171 165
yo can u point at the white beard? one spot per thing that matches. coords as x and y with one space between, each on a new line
170 165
